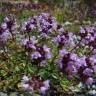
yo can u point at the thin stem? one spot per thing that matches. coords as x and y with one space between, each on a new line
76 46
90 53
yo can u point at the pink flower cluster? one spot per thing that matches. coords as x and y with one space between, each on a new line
83 68
37 53
7 29
35 83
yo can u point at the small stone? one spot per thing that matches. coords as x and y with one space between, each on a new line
3 94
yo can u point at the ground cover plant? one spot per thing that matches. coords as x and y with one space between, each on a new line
48 49
39 56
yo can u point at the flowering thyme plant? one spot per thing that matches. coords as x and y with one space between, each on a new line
47 53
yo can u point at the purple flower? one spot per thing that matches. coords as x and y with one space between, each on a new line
11 23
6 19
88 36
48 54
24 41
65 40
43 90
30 45
62 52
45 87
88 72
35 84
70 69
59 40
94 68
46 83
4 36
29 25
35 55
82 30
46 49
25 79
4 26
73 56
58 62
90 29
89 81
44 24
81 62
43 62
26 86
